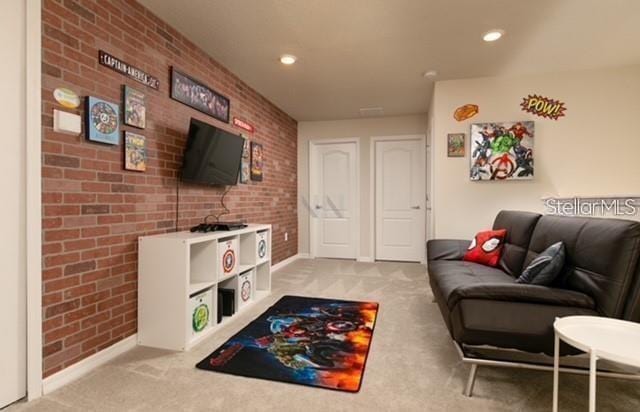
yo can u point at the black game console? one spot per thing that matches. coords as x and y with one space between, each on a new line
220 226
230 225
220 308
204 228
228 299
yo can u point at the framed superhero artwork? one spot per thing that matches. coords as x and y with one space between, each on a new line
502 151
135 110
135 152
455 145
102 121
245 162
257 162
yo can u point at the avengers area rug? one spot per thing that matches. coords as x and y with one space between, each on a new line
308 341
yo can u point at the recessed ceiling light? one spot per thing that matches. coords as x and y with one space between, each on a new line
493 35
288 59
430 73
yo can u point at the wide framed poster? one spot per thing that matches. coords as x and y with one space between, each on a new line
199 96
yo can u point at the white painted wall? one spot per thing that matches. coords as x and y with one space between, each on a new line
13 320
363 129
594 150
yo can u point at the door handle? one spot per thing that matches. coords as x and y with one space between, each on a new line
318 207
415 207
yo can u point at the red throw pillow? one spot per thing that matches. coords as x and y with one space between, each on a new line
486 247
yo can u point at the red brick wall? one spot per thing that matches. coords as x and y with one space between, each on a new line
94 211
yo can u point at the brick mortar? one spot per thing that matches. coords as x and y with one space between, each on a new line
94 210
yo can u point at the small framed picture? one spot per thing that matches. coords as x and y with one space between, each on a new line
102 121
257 162
135 152
455 145
135 109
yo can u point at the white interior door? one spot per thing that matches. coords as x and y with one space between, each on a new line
13 323
333 169
400 200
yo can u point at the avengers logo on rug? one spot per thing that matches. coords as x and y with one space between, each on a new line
308 341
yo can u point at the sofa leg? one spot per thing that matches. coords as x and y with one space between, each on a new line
468 390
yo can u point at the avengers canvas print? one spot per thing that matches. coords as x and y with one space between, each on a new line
308 341
502 151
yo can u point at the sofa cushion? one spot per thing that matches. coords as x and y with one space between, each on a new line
448 275
509 292
602 256
526 326
519 226
632 308
446 249
544 269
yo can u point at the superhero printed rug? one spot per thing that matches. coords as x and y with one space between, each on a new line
308 341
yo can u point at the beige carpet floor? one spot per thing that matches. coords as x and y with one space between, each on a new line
412 365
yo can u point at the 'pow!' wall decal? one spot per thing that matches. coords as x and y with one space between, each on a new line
543 106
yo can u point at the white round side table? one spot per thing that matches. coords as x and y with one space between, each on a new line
602 338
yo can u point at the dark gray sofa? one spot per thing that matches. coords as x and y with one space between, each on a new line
484 306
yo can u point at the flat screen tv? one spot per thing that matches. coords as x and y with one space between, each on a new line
212 156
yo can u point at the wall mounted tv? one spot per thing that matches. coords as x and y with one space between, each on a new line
212 156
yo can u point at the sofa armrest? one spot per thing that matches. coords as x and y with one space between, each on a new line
447 249
513 292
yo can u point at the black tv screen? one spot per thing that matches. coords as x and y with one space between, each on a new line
212 155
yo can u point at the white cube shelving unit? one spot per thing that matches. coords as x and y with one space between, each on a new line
174 267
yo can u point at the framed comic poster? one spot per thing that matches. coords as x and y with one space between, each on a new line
197 95
135 110
135 152
102 122
257 162
245 162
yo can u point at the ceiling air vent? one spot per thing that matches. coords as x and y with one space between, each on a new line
371 112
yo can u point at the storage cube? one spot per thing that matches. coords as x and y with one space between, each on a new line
246 287
262 246
201 309
228 257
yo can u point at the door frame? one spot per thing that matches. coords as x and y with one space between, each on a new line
313 144
33 120
372 184
430 182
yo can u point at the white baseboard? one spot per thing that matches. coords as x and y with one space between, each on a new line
365 259
288 261
75 371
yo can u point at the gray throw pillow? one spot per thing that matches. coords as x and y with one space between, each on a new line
546 267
